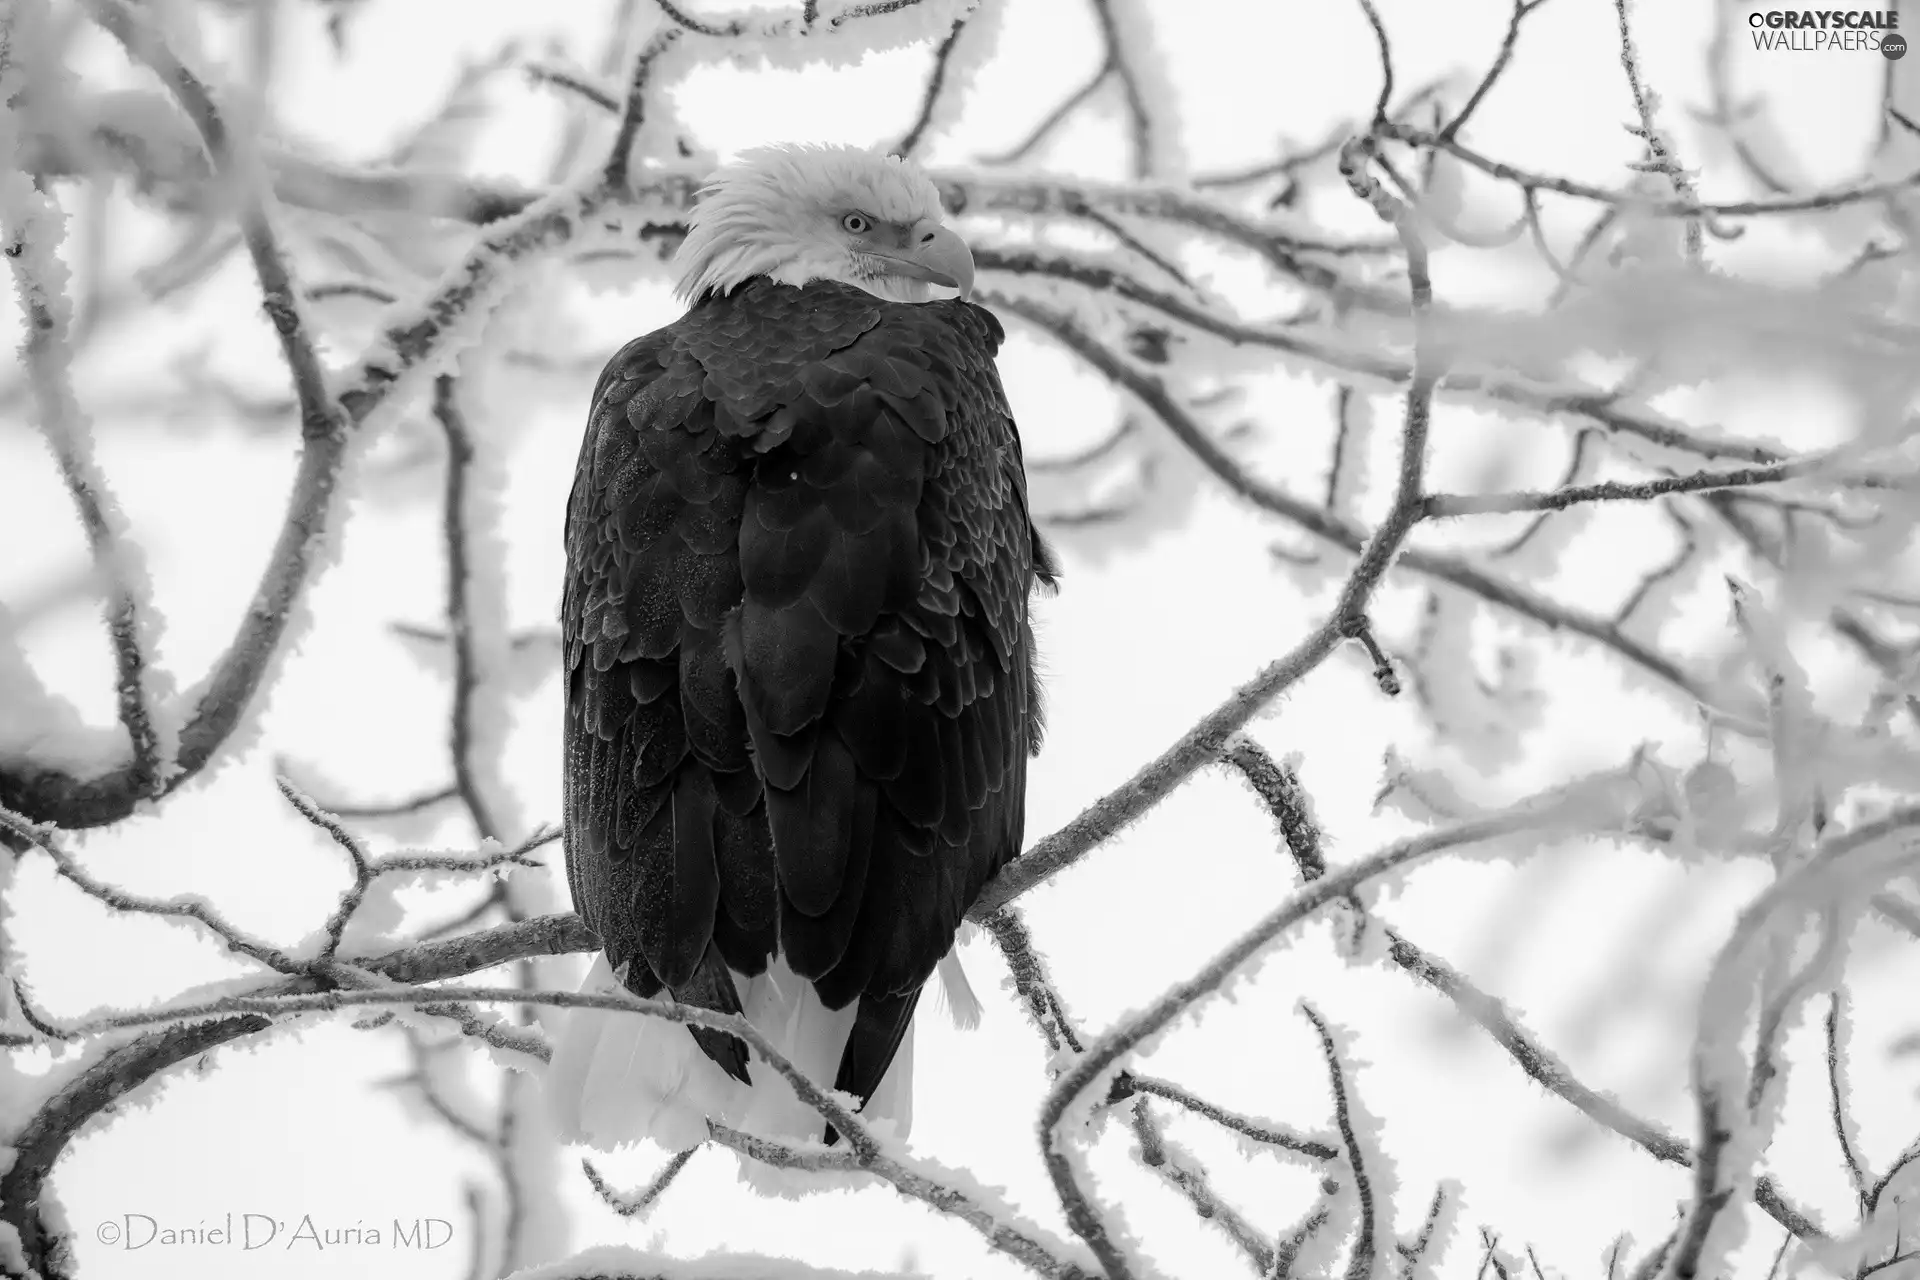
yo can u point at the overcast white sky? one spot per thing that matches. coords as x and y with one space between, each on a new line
1599 948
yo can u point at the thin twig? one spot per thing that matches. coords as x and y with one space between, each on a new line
1442 506
1140 122
185 908
1031 979
1189 1178
1127 1083
1386 60
1521 8
1052 120
1371 1230
455 536
930 97
32 250
635 1204
1724 1114
1837 1098
620 158
1544 1068
1833 198
999 1225
1659 148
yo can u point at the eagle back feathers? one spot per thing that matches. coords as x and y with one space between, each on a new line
799 670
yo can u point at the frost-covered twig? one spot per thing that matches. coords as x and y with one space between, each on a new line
1724 113
1661 574
37 1021
1413 1254
1294 1241
634 111
1772 549
1376 1220
1901 1162
1053 119
1385 49
999 1225
1560 808
453 424
1440 506
635 1204
34 227
1547 1070
1188 1177
229 688
559 77
1782 1004
475 626
1843 1124
1521 8
1279 789
356 856
282 1004
1281 243
1831 198
930 97
526 1042
1205 740
125 1068
319 416
1734 1125
1116 64
1031 979
183 908
1504 592
403 807
367 869
420 1079
1127 1083
1659 148
416 338
1141 125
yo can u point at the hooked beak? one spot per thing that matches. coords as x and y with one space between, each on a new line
936 255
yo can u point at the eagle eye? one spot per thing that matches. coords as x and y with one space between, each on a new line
857 223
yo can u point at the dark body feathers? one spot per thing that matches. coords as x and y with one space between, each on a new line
800 692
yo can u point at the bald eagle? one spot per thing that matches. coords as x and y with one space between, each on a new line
799 665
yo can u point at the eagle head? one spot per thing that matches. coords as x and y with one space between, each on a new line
798 213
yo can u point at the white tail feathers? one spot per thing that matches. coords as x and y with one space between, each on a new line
618 1077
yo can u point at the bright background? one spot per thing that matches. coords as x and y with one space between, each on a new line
1598 948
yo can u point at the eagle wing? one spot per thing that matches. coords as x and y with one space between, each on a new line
799 669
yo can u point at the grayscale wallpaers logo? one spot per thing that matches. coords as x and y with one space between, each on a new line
1828 30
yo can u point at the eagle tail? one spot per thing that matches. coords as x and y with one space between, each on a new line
813 1038
618 1077
873 1043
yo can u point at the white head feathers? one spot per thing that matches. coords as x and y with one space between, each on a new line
797 213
